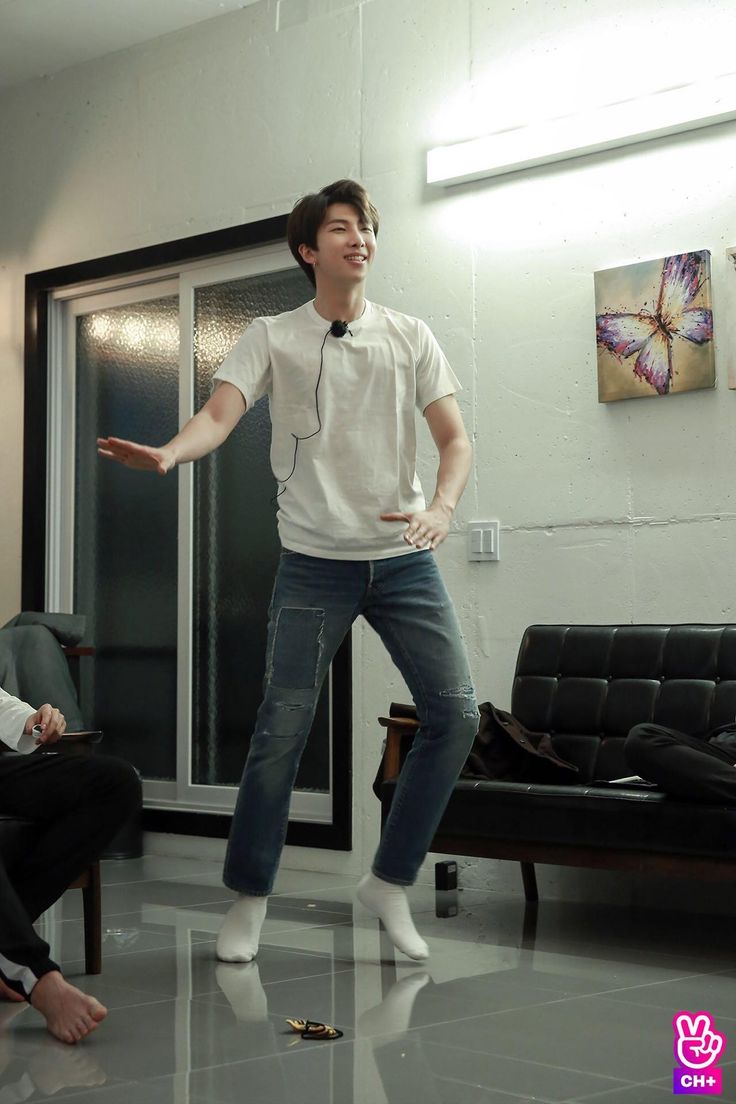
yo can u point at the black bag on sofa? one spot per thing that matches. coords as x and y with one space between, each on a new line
505 751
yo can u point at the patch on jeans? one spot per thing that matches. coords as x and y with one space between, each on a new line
297 645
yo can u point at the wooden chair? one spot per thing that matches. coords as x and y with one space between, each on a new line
17 836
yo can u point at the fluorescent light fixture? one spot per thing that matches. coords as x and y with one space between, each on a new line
673 111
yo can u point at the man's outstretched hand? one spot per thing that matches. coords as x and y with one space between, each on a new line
132 455
426 528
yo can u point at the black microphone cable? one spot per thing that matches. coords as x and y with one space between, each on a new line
337 329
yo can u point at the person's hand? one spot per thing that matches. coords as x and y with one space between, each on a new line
426 528
132 455
697 1045
51 722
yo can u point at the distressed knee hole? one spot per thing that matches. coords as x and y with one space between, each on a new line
464 691
287 713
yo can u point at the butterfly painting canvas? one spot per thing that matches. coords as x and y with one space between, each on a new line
654 327
730 314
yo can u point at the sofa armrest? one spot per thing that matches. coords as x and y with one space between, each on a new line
398 729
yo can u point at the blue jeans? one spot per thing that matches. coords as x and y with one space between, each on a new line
315 601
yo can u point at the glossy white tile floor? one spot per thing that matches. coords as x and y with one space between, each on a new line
578 1010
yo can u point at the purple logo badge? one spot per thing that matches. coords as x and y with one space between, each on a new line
697 1048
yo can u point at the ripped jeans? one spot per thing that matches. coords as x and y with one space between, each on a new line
315 601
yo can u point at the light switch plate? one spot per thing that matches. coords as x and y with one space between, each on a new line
484 540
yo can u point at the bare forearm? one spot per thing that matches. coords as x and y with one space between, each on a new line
207 430
202 434
452 475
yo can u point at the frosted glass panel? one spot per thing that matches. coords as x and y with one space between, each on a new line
236 549
126 531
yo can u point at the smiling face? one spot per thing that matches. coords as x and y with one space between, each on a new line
346 245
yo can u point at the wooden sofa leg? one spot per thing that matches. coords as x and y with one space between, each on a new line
529 878
92 905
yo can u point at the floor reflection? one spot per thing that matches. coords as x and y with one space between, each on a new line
33 1066
513 1004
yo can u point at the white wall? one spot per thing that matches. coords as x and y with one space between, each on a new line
617 512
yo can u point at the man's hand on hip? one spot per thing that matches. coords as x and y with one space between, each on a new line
426 528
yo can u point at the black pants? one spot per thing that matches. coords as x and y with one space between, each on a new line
684 766
78 803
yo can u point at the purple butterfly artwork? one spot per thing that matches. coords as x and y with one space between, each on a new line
658 335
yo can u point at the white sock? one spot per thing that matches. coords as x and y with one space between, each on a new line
241 984
241 929
392 1015
388 902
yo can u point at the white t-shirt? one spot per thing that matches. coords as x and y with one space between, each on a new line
362 463
13 715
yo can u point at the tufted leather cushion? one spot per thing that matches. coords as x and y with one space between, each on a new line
627 818
588 685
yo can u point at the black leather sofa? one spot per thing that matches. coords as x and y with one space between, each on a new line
588 685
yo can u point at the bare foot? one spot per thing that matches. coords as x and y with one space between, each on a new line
70 1014
8 994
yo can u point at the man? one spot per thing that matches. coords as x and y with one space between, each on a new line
696 768
78 803
344 377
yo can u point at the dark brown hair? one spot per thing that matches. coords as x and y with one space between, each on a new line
309 214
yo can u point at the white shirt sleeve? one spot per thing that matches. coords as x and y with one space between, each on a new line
248 364
13 715
435 377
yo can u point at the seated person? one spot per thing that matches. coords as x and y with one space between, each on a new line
78 803
695 768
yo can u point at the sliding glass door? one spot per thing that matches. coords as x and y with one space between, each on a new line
125 525
174 574
235 547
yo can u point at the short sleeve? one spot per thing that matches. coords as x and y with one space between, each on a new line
435 377
13 715
248 364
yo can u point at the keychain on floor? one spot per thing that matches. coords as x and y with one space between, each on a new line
310 1030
